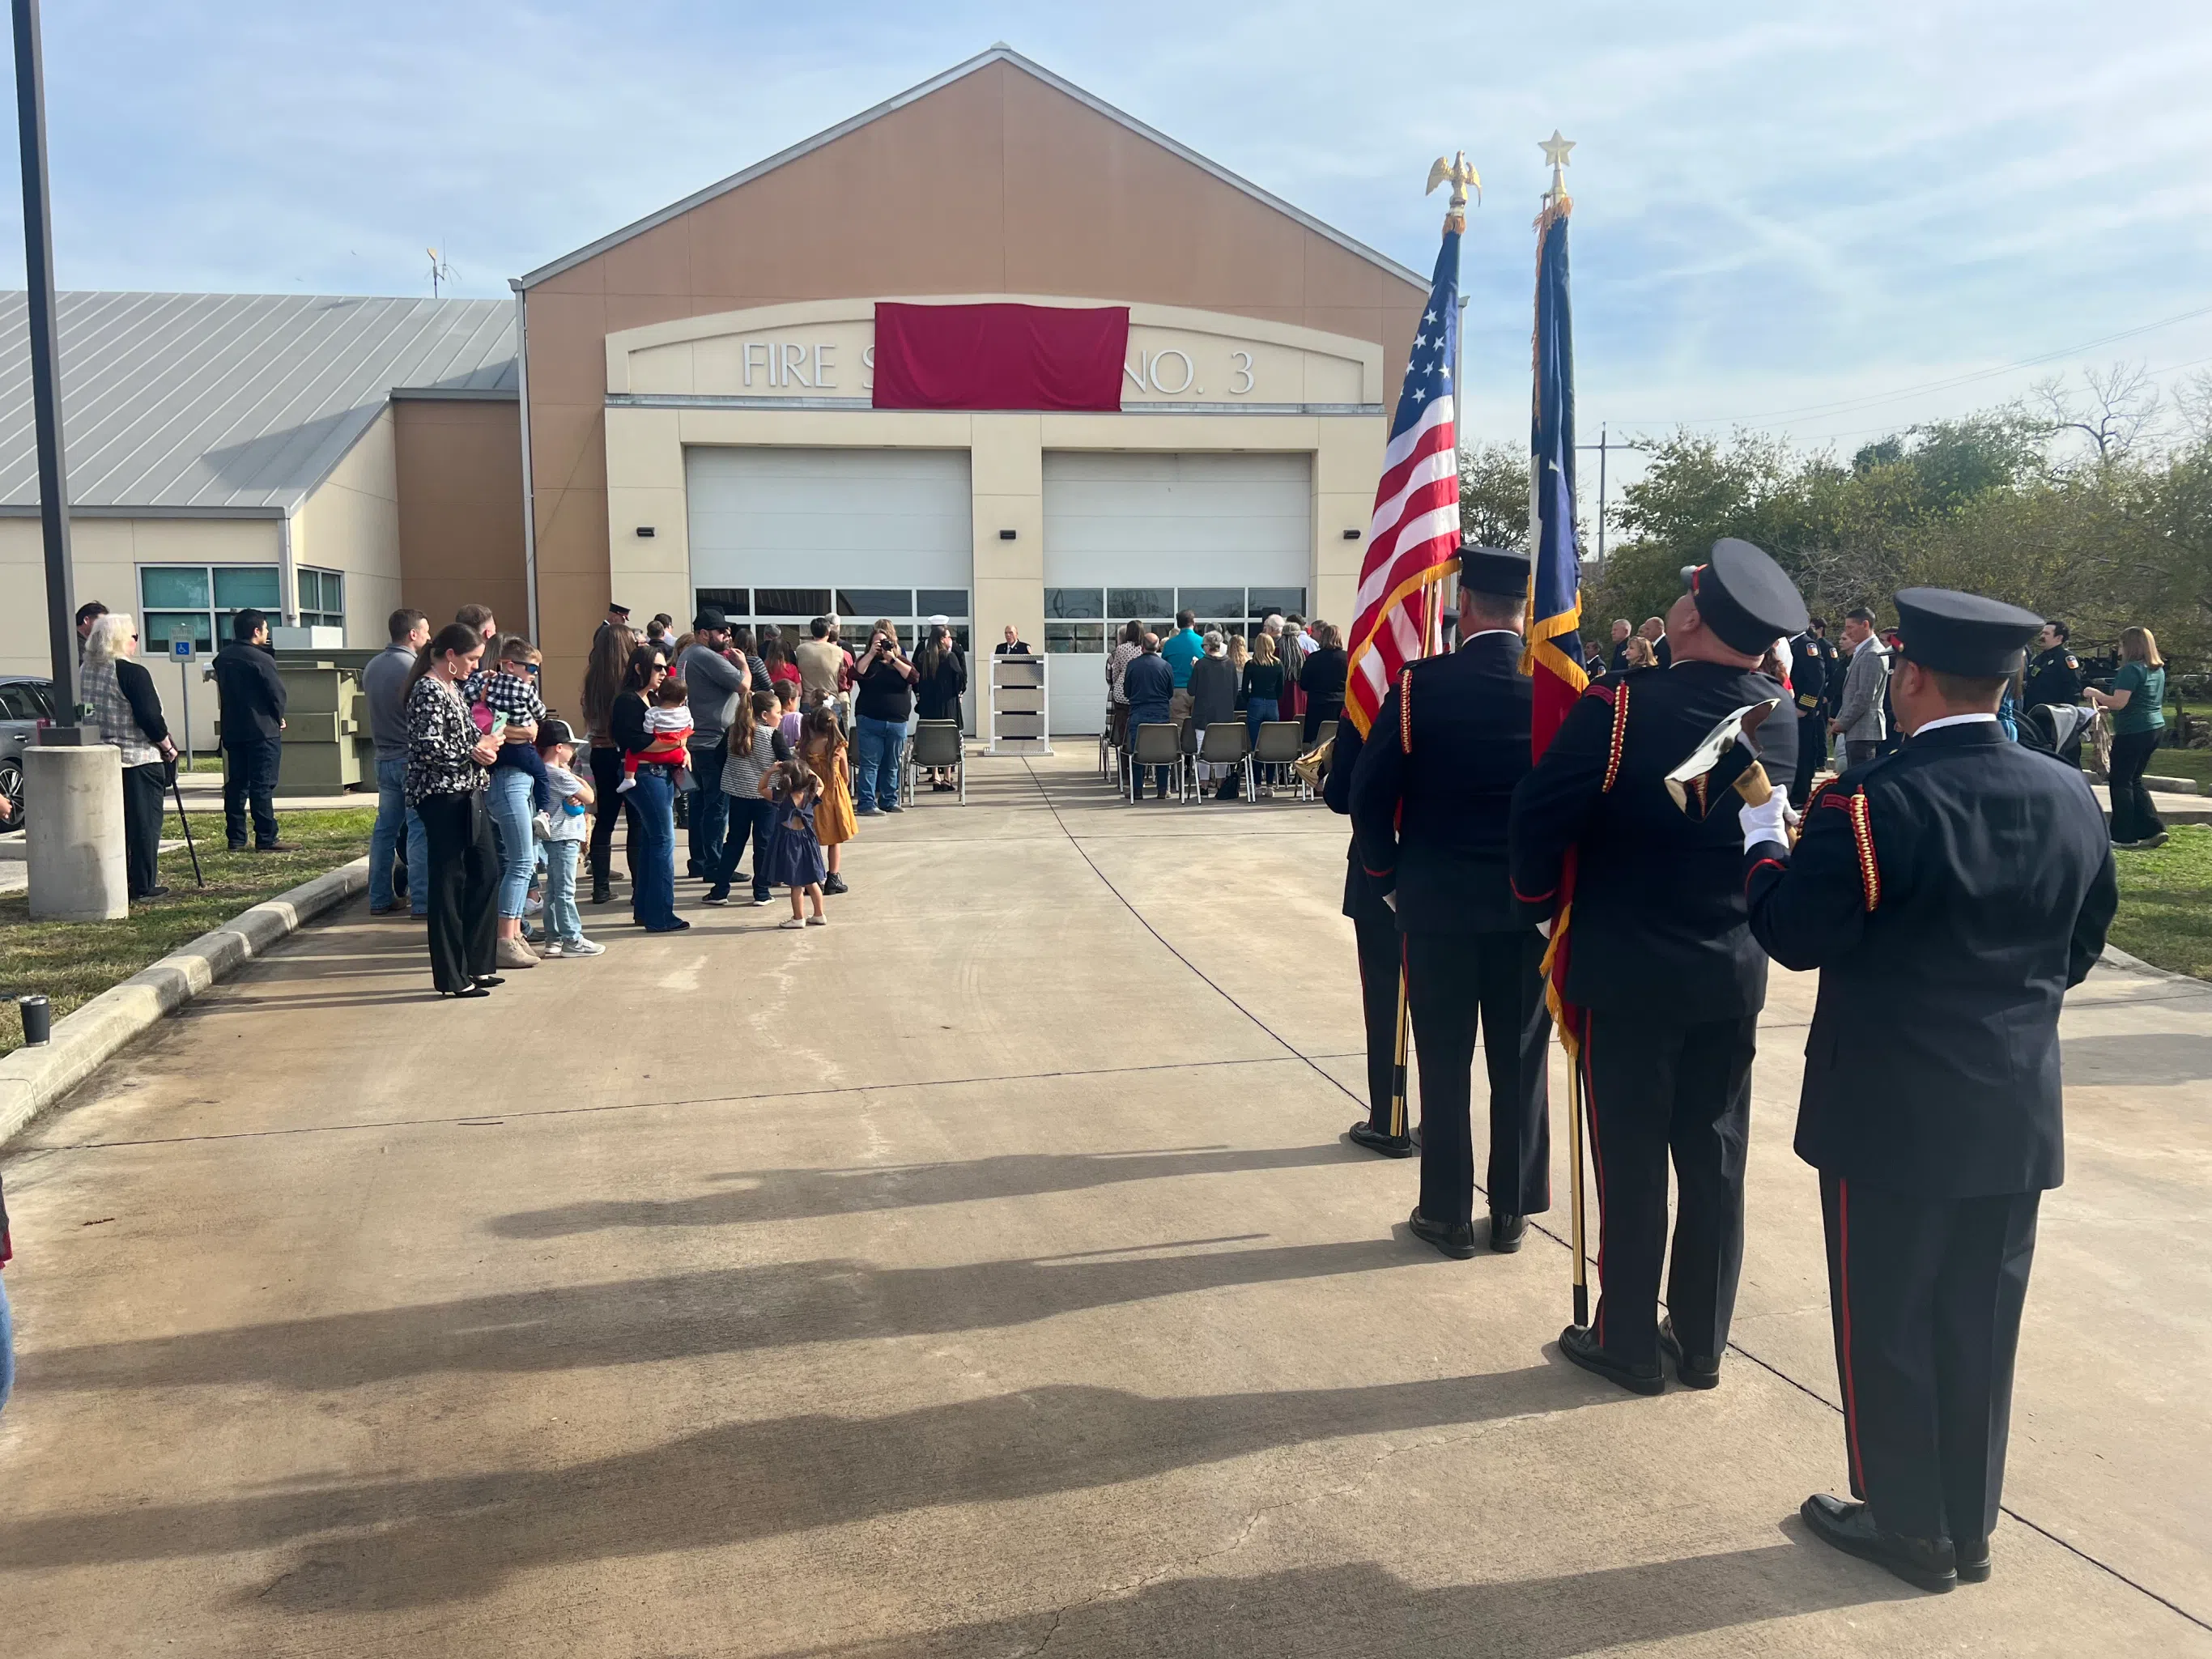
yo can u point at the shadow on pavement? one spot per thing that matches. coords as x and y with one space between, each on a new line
2141 1058
1327 1612
801 1194
638 1320
397 1543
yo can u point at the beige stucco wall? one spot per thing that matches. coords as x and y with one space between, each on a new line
997 183
350 523
107 554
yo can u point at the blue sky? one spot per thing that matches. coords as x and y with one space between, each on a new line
1786 213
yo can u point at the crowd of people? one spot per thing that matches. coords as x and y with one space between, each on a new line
1288 670
493 809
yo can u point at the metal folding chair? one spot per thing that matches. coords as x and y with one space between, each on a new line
1227 743
1157 745
936 742
1280 742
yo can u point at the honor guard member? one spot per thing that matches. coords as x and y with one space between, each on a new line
1662 963
1949 894
1808 685
1375 933
1429 806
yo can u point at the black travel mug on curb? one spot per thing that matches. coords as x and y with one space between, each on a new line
38 1020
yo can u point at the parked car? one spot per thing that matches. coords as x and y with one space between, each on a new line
25 704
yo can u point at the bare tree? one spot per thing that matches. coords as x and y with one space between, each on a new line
2116 408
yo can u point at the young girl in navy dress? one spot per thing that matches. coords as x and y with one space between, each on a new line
794 853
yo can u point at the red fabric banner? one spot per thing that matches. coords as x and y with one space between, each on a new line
1000 356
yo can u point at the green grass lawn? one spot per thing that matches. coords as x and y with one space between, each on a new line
72 962
2193 763
2165 903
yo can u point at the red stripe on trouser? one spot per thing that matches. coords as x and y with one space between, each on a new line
1597 1162
1843 1278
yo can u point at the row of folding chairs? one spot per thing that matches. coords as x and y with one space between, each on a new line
1182 749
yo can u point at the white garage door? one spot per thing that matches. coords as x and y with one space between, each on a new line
1143 537
782 536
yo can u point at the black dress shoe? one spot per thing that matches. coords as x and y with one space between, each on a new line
1506 1232
1455 1240
473 991
1695 1371
1929 1563
1580 1344
1366 1134
1973 1555
486 981
601 893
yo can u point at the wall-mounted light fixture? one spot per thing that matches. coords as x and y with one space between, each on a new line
1005 535
1352 535
646 530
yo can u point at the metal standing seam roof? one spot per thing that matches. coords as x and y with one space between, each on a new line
998 52
240 402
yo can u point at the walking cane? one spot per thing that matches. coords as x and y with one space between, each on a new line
177 789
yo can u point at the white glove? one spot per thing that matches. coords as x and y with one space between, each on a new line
1544 927
1391 899
1766 822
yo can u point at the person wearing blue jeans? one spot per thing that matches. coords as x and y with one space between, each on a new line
653 901
394 817
882 703
511 804
383 688
879 746
6 1320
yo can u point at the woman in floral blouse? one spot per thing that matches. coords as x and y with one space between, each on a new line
447 760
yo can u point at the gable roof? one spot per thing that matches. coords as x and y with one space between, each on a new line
1000 53
208 403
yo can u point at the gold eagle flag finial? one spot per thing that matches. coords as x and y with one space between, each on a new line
1460 173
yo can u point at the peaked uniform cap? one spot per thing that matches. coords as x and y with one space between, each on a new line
1492 569
1964 633
1744 597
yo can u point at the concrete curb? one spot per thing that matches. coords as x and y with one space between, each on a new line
32 1079
2116 958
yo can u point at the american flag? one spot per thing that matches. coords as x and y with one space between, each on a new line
1413 541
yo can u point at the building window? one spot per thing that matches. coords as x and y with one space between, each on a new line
195 602
322 599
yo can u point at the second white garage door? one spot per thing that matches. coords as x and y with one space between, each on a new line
1126 536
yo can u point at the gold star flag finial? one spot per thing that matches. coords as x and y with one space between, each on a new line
1555 150
1460 173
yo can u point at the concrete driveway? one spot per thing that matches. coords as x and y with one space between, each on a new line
986 1273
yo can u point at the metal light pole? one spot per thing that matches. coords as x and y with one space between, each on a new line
72 780
45 387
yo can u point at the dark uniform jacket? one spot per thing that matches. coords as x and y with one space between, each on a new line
249 692
1949 893
1809 673
2055 676
1658 924
1430 815
1363 894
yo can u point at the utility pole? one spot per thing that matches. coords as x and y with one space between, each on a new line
46 389
1603 445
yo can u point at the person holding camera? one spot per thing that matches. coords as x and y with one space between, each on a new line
882 703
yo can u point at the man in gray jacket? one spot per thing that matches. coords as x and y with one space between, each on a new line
1858 711
713 684
383 687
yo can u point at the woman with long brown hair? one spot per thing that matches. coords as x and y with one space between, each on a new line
603 676
2136 704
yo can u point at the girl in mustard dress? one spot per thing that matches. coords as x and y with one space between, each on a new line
822 745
